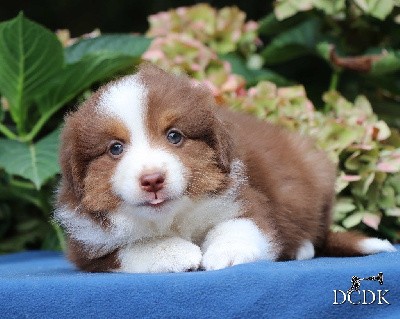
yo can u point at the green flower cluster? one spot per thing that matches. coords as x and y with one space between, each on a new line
377 9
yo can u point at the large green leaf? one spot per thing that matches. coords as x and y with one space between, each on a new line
125 44
293 43
30 56
79 76
36 162
76 78
89 61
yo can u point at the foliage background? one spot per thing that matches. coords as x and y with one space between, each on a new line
328 69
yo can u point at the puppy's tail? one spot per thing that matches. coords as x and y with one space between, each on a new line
353 244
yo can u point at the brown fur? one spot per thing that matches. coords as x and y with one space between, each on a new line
290 189
173 104
79 256
292 179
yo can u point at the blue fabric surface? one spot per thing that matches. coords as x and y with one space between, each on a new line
45 285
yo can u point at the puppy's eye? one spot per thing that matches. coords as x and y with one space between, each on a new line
116 148
174 137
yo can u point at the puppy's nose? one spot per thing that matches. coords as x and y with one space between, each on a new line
152 182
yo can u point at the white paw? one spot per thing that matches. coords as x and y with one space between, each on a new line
305 251
375 245
162 255
235 242
221 256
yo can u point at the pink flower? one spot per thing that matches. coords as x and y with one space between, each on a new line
250 26
372 220
153 55
387 167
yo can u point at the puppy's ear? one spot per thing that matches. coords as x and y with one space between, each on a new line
223 145
71 168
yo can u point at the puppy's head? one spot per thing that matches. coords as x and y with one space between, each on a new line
146 141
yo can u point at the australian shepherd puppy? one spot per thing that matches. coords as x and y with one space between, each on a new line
157 178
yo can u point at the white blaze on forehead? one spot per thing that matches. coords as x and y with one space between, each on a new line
126 100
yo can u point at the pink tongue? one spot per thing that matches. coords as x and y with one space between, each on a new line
156 201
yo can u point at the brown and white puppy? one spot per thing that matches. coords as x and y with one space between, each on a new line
156 178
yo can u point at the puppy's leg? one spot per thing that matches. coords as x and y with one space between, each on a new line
172 254
235 242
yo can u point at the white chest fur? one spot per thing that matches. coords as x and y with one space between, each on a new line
189 220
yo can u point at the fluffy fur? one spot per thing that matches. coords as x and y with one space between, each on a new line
232 190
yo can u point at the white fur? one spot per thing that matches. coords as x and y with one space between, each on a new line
82 228
127 101
186 218
171 254
235 242
375 245
138 160
305 251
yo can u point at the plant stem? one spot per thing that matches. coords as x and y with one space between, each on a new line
333 86
334 81
22 184
7 132
38 126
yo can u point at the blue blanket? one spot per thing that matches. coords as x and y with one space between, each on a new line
45 285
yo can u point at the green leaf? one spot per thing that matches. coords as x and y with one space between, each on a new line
30 56
76 78
80 75
270 25
330 7
253 76
124 44
353 220
367 183
394 181
287 8
393 212
324 50
1 111
376 8
388 198
90 61
36 162
295 42
388 64
344 205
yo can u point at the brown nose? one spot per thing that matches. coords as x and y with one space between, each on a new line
152 182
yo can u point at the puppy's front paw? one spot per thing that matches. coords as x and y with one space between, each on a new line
162 255
235 242
222 256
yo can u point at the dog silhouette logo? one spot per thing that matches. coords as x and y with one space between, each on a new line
356 282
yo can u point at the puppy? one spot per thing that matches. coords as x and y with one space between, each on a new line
156 178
